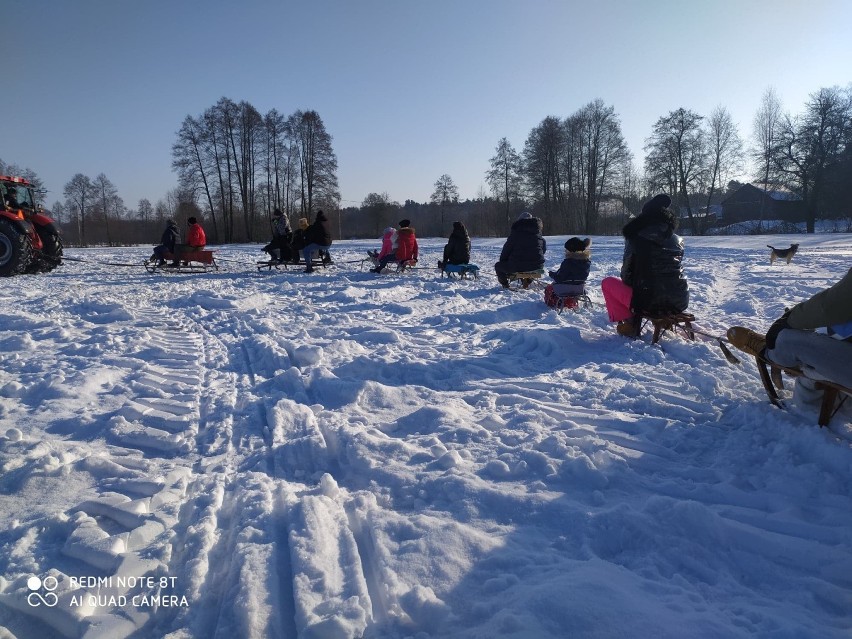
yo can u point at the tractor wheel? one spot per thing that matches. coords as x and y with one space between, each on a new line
15 250
51 252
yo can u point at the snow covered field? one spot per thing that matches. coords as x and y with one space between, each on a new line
335 455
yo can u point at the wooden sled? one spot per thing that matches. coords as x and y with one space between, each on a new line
198 261
677 323
526 278
770 376
269 265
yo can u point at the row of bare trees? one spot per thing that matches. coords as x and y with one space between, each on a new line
242 165
808 155
567 169
577 173
235 166
692 158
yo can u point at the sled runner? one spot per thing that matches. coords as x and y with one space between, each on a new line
401 267
269 265
770 374
200 261
770 377
526 277
562 302
677 323
460 270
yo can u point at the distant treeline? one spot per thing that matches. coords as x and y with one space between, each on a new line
235 166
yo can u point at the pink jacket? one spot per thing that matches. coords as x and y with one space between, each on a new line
389 242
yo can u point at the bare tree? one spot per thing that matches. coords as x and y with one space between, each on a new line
446 192
504 177
808 146
317 162
725 152
144 210
108 201
244 137
543 151
764 133
676 158
191 158
605 153
79 193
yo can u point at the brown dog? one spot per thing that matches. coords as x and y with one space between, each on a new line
782 254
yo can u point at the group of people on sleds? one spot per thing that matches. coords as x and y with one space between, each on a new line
814 336
287 246
170 245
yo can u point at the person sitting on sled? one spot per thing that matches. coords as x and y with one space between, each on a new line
792 340
652 278
279 247
317 238
457 250
168 242
570 278
298 241
196 240
389 245
523 250
406 249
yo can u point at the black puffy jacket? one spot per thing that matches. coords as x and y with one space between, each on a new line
319 232
457 250
653 264
525 247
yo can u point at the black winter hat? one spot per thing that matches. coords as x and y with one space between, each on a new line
277 213
657 203
576 245
404 223
192 220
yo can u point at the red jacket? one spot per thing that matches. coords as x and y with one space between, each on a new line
407 247
195 236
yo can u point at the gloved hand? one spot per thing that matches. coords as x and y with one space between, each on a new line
779 325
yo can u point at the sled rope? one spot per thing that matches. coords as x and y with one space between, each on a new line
79 259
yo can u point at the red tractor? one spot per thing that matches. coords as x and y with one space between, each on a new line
29 240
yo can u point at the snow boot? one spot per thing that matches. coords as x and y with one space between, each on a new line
747 340
629 327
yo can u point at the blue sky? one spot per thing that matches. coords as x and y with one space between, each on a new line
408 90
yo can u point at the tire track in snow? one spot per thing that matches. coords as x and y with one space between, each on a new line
231 561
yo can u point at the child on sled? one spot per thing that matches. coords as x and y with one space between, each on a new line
569 281
389 245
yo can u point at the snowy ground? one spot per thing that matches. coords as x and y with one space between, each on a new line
243 454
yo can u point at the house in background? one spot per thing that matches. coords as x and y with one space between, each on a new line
752 203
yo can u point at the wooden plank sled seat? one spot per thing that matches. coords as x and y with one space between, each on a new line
526 277
196 260
460 270
677 323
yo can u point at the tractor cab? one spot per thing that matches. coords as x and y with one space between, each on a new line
29 240
17 194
